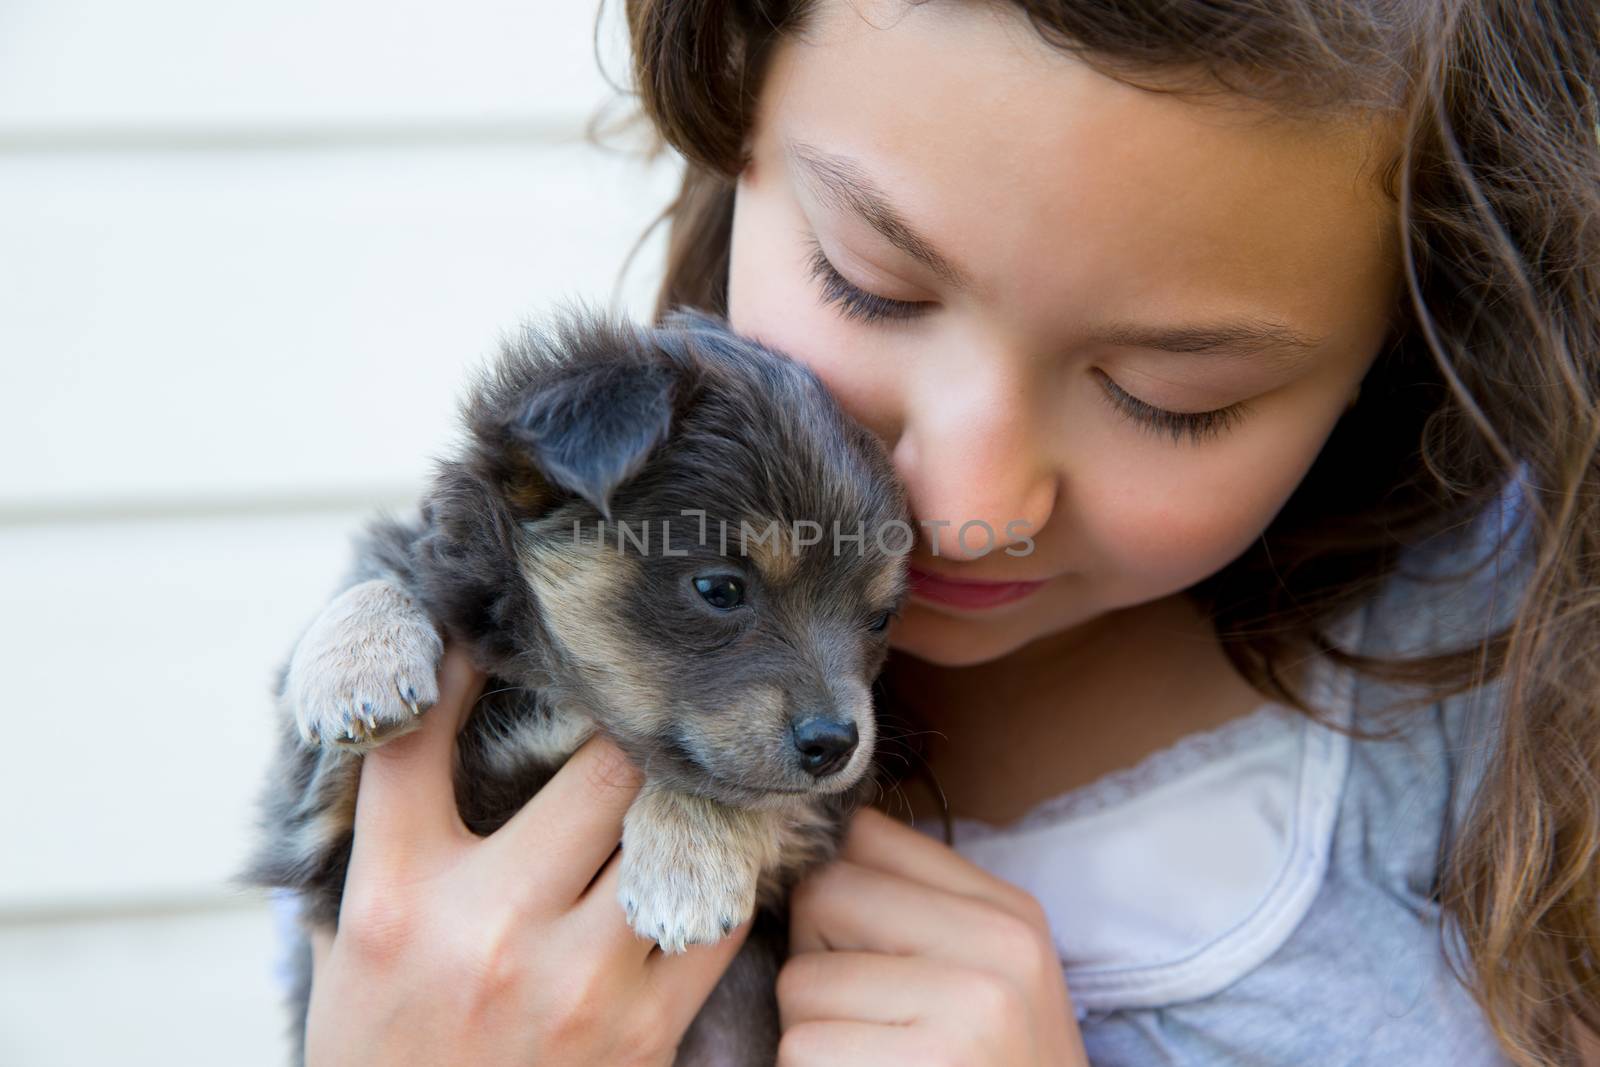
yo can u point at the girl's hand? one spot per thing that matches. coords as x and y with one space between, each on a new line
512 948
904 952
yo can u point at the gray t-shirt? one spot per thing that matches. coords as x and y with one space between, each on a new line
1262 893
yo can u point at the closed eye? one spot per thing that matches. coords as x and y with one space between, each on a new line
852 301
1199 425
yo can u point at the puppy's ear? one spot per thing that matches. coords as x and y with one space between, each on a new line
591 429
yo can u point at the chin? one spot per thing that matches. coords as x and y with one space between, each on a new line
947 641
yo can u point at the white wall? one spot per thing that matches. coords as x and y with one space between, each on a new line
248 253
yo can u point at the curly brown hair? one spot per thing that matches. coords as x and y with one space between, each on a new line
1490 379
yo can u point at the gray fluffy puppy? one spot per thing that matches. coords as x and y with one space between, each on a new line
671 535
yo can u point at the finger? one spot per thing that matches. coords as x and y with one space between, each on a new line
600 917
850 908
684 980
851 1044
869 987
878 841
561 838
406 802
604 923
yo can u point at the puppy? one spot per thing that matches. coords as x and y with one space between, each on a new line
672 536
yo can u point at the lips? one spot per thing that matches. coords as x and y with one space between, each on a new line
967 595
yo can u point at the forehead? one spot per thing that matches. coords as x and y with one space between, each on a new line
1065 191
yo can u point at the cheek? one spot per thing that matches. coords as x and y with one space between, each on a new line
1158 527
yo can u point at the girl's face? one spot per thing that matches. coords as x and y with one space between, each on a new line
1004 264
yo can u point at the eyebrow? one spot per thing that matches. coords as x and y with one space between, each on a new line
1237 338
843 182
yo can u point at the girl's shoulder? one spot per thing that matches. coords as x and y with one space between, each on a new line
1458 587
1363 976
1264 891
1451 593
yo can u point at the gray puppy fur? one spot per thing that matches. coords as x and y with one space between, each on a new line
620 542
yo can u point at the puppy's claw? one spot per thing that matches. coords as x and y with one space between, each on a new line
366 668
678 904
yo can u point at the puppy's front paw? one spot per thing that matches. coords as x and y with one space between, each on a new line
689 868
365 670
679 900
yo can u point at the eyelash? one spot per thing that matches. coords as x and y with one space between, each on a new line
1198 425
854 303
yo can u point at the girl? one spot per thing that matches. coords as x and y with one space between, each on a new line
1262 335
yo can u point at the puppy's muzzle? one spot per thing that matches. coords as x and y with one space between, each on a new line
823 744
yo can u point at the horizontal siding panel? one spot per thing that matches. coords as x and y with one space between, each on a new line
139 717
224 325
146 992
186 64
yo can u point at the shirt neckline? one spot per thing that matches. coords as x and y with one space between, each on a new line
1111 811
1183 756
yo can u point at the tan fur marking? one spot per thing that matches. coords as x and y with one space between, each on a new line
885 583
760 723
569 581
527 493
802 838
772 548
333 790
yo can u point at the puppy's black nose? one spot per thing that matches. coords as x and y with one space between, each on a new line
824 744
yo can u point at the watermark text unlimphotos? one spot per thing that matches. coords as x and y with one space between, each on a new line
894 537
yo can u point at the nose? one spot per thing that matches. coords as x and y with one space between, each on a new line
824 744
989 486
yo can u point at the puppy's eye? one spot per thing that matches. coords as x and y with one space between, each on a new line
721 590
881 623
